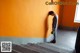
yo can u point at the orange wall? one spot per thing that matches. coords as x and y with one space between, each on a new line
67 15
23 18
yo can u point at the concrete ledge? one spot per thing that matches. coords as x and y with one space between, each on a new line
19 41
68 28
22 40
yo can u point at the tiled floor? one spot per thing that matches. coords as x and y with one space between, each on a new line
66 39
65 42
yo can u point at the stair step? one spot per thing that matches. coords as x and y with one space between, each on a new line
54 47
39 48
9 52
22 49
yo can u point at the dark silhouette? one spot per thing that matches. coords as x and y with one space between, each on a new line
77 45
53 26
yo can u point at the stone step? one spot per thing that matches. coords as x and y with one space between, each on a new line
13 51
22 49
54 47
10 52
38 48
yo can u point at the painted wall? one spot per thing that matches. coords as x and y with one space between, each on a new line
67 14
24 18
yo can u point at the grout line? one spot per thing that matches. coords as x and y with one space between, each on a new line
16 51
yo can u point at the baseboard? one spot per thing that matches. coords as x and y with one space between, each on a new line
67 28
19 41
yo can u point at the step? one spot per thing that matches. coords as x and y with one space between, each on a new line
54 47
40 49
13 51
22 49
